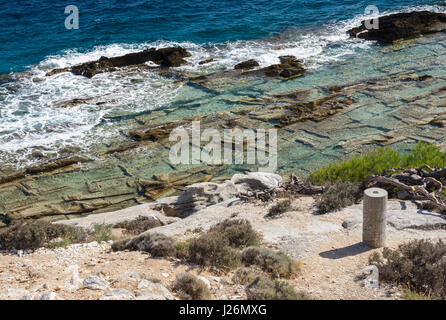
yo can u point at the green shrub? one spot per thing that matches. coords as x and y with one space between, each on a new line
139 225
418 264
58 243
213 249
182 250
279 208
338 196
377 162
157 244
412 295
33 234
190 287
239 232
244 275
277 264
120 245
264 288
102 232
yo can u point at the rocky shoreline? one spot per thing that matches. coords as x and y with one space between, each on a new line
400 107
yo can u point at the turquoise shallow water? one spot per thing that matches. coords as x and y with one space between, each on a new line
397 95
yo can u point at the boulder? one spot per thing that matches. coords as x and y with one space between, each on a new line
118 294
246 65
153 291
288 68
95 283
199 196
48 296
402 26
165 57
256 181
206 61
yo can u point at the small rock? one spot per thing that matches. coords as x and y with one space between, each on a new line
149 296
144 284
13 293
74 281
403 195
206 61
216 279
92 262
206 281
135 276
154 290
372 279
118 294
48 296
165 275
246 65
95 283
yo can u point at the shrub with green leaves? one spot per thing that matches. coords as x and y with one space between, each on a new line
190 287
213 249
412 295
264 288
182 250
33 234
102 232
277 264
419 264
377 162
239 232
244 275
340 195
279 208
139 225
157 244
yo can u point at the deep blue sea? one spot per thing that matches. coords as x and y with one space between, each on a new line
34 29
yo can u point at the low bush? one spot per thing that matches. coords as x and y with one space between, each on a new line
190 287
412 295
419 264
244 275
239 232
338 196
102 232
139 225
213 249
264 288
33 234
157 244
277 264
279 208
182 250
377 162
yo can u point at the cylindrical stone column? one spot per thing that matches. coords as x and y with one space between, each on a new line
374 217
